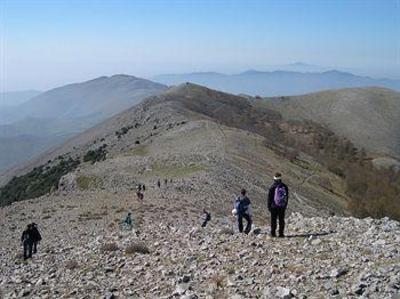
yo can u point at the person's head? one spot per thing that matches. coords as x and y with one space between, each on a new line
34 224
129 213
277 177
29 226
243 192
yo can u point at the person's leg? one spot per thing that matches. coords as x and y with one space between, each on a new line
248 225
240 223
274 216
30 247
204 223
25 250
34 247
281 222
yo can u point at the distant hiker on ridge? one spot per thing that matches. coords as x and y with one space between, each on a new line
242 209
206 217
278 197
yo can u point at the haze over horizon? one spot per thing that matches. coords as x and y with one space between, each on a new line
47 44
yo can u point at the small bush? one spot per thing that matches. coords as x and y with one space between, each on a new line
109 247
137 248
71 265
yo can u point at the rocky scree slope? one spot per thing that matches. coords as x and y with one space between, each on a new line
84 253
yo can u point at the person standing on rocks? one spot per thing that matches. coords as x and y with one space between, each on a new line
242 209
27 241
278 197
37 237
206 217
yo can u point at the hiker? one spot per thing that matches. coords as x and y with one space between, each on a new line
27 241
242 209
278 197
128 220
206 217
158 183
36 236
139 195
165 182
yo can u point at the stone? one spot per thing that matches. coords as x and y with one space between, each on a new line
284 293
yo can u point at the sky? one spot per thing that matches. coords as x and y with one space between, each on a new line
44 44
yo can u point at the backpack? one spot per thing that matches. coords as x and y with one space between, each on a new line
280 197
241 205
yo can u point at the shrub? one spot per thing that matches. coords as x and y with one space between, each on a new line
137 248
96 155
71 265
39 181
109 247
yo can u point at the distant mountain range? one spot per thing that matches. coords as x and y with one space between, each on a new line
277 83
52 116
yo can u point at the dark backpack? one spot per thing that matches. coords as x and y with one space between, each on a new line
280 196
241 205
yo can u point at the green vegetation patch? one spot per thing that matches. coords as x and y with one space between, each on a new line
140 150
176 171
96 155
86 182
39 181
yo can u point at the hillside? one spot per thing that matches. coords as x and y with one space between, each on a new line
277 83
63 112
15 98
369 117
203 145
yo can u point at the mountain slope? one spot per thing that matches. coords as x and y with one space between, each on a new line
203 146
98 98
276 83
370 117
62 112
194 129
15 98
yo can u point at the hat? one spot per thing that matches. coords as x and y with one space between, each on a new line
277 176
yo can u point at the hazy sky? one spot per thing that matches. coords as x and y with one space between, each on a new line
49 43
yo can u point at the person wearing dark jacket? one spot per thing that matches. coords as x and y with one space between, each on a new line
278 197
36 236
206 217
242 209
27 241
